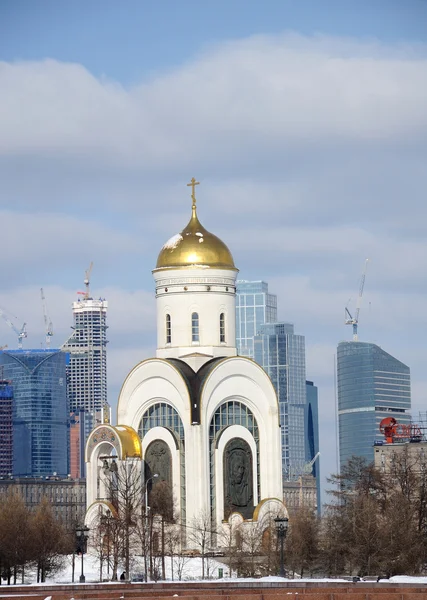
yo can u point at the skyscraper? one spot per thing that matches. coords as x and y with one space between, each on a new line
87 371
40 413
254 307
372 385
311 426
6 427
282 354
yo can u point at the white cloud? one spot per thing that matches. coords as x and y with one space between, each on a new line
311 153
278 92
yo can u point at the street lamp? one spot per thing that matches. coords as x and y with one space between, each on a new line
146 491
148 531
282 529
82 535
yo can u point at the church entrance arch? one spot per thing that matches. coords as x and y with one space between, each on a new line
157 455
231 412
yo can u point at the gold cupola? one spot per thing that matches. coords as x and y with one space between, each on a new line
195 246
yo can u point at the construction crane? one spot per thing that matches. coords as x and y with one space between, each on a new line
354 321
47 322
21 333
86 293
308 467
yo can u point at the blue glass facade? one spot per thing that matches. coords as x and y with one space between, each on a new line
254 307
311 420
6 429
282 354
40 412
372 385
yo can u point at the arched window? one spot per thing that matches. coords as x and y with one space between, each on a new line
194 327
168 329
222 327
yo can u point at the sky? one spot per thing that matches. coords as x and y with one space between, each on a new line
304 121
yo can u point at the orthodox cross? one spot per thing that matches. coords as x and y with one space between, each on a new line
193 184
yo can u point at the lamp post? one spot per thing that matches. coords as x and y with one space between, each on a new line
282 524
147 508
146 492
105 538
82 535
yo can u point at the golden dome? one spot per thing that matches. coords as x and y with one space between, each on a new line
195 246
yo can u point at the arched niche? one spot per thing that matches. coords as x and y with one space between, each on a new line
238 478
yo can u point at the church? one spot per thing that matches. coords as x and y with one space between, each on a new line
196 416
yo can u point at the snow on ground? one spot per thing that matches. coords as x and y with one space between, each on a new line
191 570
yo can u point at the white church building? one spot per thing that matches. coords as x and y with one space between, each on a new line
197 416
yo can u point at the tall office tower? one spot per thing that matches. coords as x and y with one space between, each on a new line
87 370
40 413
372 385
6 427
282 355
311 426
254 307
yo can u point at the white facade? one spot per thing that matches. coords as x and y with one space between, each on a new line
201 413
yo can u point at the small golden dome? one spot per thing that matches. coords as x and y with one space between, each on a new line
195 246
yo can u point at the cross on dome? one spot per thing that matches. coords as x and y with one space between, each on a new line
193 184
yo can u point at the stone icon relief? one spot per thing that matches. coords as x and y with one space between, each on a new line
238 478
158 460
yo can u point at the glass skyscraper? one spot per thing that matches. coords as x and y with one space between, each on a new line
40 411
6 427
282 354
372 385
254 307
311 426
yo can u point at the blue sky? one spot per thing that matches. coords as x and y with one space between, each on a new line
304 121
127 41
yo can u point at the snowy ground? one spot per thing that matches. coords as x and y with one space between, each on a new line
191 570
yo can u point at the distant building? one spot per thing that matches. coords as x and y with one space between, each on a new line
87 370
81 425
67 496
255 306
40 412
301 492
282 355
416 455
372 385
311 427
6 427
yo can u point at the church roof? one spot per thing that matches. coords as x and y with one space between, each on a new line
195 247
194 381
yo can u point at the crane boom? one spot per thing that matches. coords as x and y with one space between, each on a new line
354 321
308 466
48 326
21 333
87 280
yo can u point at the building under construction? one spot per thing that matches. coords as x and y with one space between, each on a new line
87 348
6 427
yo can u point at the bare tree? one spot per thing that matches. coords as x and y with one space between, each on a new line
200 534
125 491
15 536
302 543
50 540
